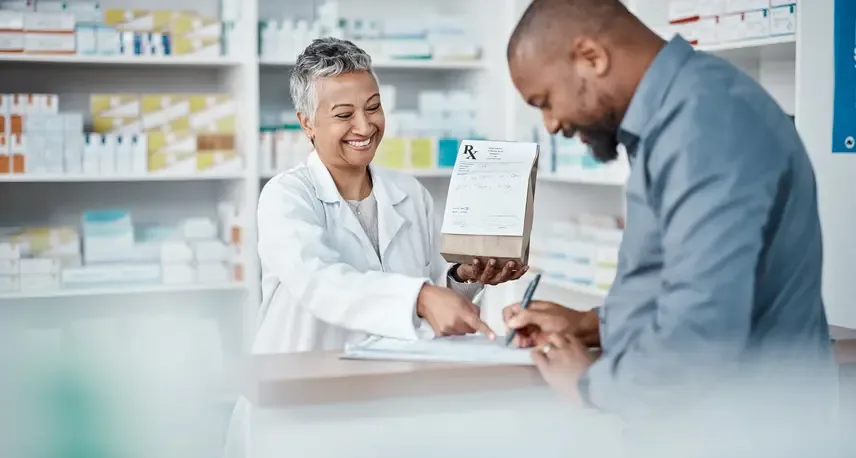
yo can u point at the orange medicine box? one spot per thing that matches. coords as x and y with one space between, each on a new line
12 153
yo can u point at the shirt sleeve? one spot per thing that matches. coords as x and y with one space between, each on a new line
713 177
468 290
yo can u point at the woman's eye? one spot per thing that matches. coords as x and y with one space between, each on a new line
374 107
343 115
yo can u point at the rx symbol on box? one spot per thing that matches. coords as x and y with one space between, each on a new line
469 152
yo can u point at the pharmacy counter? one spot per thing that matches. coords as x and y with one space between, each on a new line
317 405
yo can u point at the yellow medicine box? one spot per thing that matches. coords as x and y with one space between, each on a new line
117 125
164 111
200 47
127 20
172 142
189 25
392 153
213 113
115 105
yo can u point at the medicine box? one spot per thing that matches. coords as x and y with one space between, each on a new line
199 47
214 113
756 24
178 274
9 283
159 110
49 43
137 20
10 267
211 251
107 41
117 125
108 235
74 146
61 242
49 22
198 229
175 252
86 40
730 27
11 42
39 282
783 20
115 105
213 272
39 266
191 25
775 3
11 21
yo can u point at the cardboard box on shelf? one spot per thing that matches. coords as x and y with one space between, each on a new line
59 242
161 110
219 161
214 113
172 142
115 105
17 153
179 163
50 43
191 25
11 42
132 20
117 125
197 47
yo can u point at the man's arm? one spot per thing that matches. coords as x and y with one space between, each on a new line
713 178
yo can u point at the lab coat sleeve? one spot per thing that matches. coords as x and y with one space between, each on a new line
293 244
714 181
439 267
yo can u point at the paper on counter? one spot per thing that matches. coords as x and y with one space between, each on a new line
470 349
489 188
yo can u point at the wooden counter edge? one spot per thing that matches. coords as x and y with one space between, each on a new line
360 381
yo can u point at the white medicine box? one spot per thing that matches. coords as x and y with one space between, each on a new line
709 8
756 24
783 20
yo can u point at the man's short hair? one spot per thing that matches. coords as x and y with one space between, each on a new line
561 19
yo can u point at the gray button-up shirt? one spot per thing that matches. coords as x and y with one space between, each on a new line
721 258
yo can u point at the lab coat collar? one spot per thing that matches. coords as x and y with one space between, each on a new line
386 192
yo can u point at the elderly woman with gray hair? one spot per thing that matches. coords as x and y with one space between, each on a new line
349 249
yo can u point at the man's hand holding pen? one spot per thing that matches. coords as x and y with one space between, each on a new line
561 339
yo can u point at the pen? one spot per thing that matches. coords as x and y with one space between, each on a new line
527 298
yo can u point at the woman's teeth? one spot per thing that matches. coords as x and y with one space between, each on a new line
361 144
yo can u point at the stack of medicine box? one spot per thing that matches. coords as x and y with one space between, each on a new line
31 259
184 133
282 145
583 251
48 29
428 138
36 138
116 252
709 22
164 33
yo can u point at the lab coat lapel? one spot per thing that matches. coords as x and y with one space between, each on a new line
390 221
326 191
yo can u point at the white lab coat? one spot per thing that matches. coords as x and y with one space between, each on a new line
323 285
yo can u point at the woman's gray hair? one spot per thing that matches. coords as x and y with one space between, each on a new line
324 58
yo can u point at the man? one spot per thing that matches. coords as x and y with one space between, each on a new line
720 265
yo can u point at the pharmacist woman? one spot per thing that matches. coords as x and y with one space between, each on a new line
348 248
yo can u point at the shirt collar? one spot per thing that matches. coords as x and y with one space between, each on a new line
651 91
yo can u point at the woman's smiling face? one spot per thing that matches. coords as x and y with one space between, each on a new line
349 121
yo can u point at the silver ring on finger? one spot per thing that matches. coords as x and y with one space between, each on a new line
547 348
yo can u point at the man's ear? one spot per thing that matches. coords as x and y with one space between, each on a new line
306 126
591 55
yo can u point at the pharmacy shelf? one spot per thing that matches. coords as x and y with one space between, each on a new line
125 290
417 64
65 178
783 47
581 179
574 287
74 59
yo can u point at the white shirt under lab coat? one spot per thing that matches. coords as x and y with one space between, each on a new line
323 285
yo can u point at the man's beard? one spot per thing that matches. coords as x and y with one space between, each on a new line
603 142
